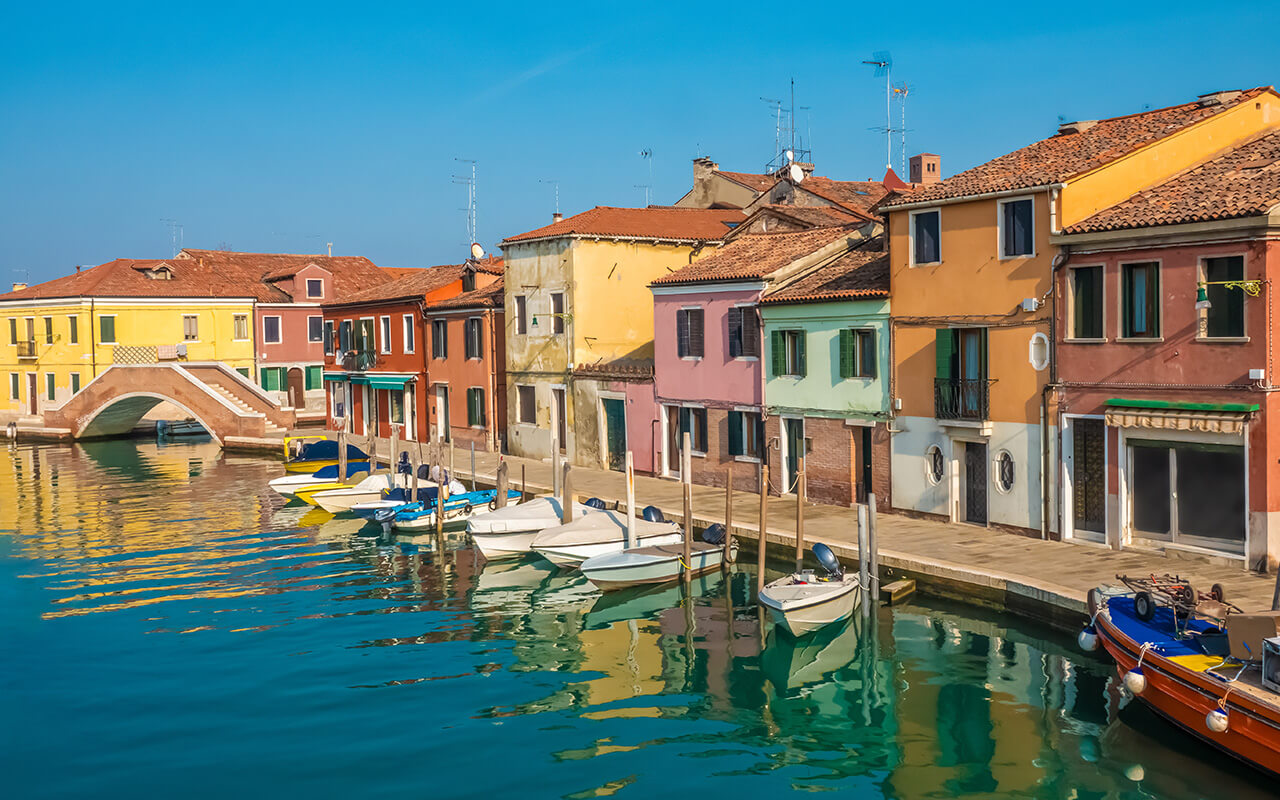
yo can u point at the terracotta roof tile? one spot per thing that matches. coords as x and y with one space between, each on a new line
416 283
751 180
1066 155
485 297
863 272
634 369
350 273
859 196
1243 182
755 256
653 222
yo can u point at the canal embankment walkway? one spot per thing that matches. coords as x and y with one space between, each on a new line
1047 580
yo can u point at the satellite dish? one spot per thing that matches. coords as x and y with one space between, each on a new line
796 173
477 252
790 156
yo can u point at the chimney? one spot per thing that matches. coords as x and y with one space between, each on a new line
925 168
703 167
556 217
77 269
17 287
1078 126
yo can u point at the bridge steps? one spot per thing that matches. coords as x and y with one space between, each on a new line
244 408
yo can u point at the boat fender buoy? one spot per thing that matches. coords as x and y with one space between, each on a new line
1088 639
1216 721
1135 773
1135 681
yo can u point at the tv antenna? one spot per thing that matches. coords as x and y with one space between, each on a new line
646 188
791 154
777 125
470 182
883 62
901 91
647 155
555 184
175 235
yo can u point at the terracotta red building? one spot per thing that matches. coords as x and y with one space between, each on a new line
466 338
377 357
1165 369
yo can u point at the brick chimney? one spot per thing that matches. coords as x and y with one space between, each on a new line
925 168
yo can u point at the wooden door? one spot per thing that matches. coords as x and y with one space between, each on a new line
297 388
33 399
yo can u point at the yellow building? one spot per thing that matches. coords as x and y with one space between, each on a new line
971 267
579 317
57 336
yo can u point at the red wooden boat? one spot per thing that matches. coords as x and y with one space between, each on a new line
1225 707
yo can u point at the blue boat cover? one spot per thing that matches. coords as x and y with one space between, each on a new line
330 472
327 450
1159 631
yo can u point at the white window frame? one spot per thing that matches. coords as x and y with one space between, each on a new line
384 335
321 318
115 334
1000 204
279 329
557 320
519 410
743 421
702 311
247 328
407 335
911 237
307 289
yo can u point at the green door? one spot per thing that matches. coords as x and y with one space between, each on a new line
795 449
615 435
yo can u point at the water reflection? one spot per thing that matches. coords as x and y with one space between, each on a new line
312 651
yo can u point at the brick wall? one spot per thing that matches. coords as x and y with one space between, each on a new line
711 470
834 464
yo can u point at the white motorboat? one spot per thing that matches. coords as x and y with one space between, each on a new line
394 498
804 602
458 510
288 485
601 533
509 532
339 501
657 563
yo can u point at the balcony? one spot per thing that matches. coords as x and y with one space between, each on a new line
27 349
359 360
961 399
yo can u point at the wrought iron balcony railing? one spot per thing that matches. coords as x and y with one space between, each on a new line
359 360
961 399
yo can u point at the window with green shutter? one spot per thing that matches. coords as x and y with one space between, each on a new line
945 353
272 378
846 353
315 377
475 408
245 372
107 330
735 433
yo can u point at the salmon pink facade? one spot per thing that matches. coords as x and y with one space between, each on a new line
467 402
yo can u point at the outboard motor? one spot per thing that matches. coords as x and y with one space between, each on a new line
714 534
424 472
404 467
828 560
596 503
652 514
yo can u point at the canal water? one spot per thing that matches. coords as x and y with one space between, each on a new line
170 628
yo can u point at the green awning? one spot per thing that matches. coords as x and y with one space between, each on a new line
1239 408
385 382
335 376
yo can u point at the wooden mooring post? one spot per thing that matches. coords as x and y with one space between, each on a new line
524 486
342 455
566 496
686 478
473 466
728 519
873 547
764 526
503 484
801 483
630 541
863 560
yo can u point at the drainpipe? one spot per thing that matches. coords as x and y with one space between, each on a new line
1059 261
493 378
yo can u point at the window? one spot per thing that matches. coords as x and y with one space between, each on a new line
48 330
689 333
1140 296
271 330
48 385
245 372
364 336
469 279
315 378
395 402
744 332
273 378
1004 471
15 386
439 338
934 464
190 328
526 405
327 337
925 237
344 335
315 287
746 433
13 330
384 328
1086 303
240 327
315 329
107 329
960 390
1017 228
408 333
693 421
1225 316
75 382
788 353
475 407
857 353
474 340
522 314
557 312
73 330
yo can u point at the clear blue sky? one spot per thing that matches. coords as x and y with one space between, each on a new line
279 127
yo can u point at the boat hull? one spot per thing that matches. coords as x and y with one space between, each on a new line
572 556
339 501
309 466
504 544
1184 695
801 619
653 568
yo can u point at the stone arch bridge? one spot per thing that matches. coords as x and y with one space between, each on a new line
222 400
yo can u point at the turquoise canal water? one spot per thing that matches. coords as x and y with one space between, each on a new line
171 629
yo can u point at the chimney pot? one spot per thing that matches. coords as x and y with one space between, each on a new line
17 287
556 216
